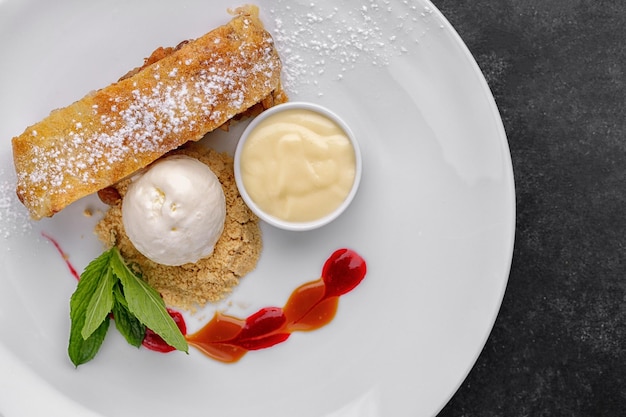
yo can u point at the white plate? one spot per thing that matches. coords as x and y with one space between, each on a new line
434 217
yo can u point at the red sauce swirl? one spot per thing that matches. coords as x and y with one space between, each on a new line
310 306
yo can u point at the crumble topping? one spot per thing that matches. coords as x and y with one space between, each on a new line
210 279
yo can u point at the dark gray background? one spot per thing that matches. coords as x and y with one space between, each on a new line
557 71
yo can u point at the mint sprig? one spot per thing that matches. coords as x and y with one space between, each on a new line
109 285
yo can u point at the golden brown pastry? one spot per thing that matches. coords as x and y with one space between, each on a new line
178 96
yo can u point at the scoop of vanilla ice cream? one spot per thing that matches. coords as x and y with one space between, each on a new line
174 212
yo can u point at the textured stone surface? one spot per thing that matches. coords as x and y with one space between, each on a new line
557 71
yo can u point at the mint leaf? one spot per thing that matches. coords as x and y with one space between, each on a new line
100 304
82 349
146 304
118 294
127 324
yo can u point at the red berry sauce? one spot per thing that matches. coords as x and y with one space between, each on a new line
65 257
310 306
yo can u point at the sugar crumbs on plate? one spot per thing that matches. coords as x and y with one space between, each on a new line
193 285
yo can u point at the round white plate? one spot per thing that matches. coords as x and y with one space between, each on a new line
434 217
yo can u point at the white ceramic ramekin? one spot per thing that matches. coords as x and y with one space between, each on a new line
290 225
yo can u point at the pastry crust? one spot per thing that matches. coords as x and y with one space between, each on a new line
177 97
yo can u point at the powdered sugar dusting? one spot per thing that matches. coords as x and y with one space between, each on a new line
14 218
325 40
142 119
